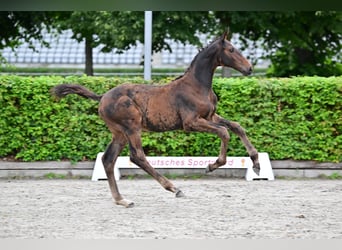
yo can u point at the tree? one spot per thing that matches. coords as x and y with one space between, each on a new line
298 43
92 28
121 30
19 27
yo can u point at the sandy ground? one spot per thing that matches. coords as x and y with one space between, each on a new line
212 209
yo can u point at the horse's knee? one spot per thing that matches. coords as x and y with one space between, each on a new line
225 136
236 128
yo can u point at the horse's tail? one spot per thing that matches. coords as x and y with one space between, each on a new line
66 89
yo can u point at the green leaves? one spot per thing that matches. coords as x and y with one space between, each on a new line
290 118
297 42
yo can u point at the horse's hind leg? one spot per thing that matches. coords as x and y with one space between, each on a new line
137 156
108 159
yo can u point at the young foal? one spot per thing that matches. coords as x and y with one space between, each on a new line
187 103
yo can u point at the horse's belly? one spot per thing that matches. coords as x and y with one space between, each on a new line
160 123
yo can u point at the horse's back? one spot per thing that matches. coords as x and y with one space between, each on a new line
128 89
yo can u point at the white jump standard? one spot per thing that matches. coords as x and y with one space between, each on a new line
189 162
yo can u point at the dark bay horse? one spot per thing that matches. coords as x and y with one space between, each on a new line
186 103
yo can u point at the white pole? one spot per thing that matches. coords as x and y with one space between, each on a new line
148 45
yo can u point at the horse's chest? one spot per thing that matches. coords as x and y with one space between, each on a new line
206 106
207 110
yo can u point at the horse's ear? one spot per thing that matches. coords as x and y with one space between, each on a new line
225 35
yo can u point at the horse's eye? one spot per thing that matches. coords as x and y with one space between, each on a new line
231 50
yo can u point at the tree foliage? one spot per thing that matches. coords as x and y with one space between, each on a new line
121 30
18 27
298 43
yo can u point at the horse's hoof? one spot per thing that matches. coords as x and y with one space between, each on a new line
256 168
179 193
207 169
125 203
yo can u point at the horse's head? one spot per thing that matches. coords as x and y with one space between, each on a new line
229 56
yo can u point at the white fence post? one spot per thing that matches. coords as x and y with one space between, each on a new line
148 45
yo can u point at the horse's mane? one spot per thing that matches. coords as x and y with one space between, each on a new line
200 50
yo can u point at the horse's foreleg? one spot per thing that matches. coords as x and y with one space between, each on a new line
222 159
240 132
137 156
108 159
202 125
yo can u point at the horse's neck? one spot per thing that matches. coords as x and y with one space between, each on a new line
203 67
204 71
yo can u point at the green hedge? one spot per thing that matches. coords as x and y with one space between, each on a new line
290 118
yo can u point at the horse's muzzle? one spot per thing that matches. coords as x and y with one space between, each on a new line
248 71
